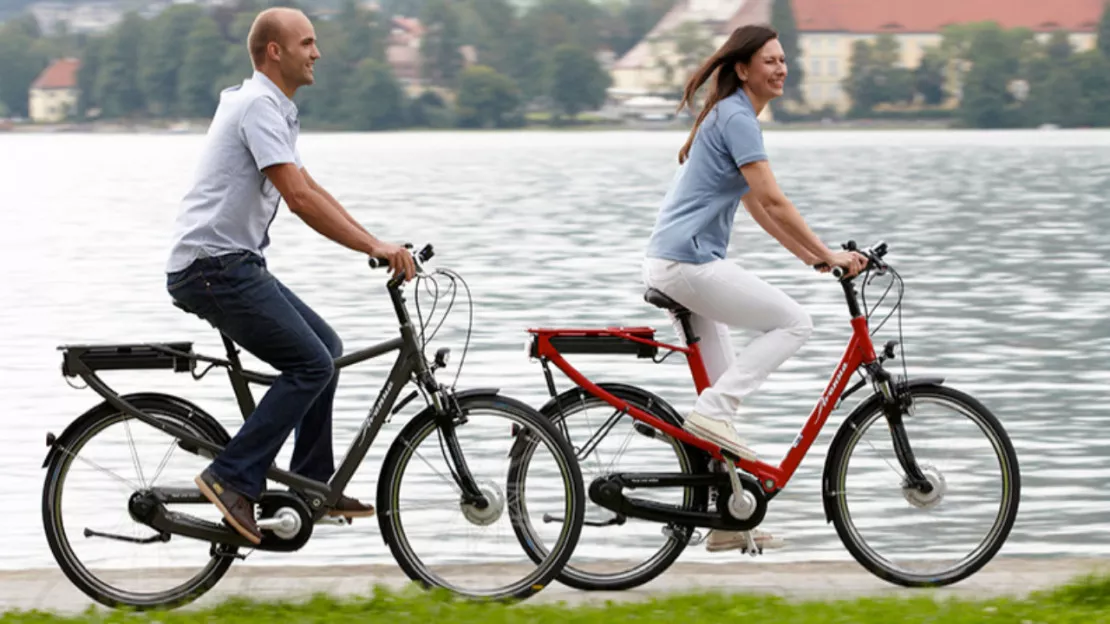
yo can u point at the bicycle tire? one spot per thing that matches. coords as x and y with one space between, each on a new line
419 427
836 466
173 409
692 460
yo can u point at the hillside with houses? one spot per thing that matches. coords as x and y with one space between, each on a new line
495 63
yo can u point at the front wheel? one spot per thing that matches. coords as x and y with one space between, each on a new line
439 538
905 535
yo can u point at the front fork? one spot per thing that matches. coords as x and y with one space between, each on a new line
448 415
896 403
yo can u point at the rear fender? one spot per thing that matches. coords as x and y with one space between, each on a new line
141 400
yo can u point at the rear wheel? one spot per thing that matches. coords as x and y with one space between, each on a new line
96 467
616 553
914 538
441 541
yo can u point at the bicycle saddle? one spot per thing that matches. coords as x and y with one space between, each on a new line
659 300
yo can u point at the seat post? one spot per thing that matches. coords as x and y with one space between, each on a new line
687 327
238 384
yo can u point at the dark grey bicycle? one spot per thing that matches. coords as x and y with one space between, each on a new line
171 520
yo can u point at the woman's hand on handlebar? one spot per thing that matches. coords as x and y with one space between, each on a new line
853 262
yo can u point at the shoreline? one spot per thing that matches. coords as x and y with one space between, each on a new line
200 127
49 590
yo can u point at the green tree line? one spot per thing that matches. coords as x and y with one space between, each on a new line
175 64
1001 78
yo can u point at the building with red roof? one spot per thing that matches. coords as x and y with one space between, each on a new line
54 94
827 29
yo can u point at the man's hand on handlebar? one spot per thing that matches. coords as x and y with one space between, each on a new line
399 259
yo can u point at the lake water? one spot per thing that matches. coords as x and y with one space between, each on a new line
1003 239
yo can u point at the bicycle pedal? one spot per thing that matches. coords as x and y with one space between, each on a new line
336 520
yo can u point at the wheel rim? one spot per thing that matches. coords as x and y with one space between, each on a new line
464 572
85 493
959 491
584 565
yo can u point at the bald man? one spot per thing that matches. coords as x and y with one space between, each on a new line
217 270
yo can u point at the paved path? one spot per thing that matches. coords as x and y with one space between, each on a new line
50 590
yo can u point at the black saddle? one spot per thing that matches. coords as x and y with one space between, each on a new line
659 300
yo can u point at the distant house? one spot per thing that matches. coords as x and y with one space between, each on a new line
657 66
827 30
644 69
54 94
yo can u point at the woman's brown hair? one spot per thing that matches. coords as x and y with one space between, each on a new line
741 45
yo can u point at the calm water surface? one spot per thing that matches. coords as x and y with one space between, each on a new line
1003 240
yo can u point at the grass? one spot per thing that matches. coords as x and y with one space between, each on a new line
1085 600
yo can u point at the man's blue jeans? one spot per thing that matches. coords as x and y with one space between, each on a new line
238 296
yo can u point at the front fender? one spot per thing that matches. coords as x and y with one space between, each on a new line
847 428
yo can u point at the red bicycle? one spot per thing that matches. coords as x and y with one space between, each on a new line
925 487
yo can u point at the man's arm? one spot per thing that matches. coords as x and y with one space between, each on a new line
320 212
315 186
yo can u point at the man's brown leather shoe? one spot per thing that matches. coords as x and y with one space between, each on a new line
351 508
237 509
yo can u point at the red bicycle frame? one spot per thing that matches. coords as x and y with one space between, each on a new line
859 351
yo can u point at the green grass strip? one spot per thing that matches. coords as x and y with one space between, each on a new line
1085 600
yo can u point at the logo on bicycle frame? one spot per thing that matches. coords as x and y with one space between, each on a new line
832 386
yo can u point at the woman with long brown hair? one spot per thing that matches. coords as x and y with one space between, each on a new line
722 164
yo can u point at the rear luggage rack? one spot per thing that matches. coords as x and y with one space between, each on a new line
84 359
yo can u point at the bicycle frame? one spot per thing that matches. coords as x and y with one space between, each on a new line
860 351
85 360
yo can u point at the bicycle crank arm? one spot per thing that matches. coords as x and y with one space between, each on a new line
178 495
149 511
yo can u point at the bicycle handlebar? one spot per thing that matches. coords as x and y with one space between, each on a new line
421 256
874 255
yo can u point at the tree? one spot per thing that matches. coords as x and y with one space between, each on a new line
490 26
21 61
429 110
441 60
1092 72
929 77
164 40
577 81
875 77
486 98
373 99
994 56
196 88
782 20
87 75
986 99
117 87
363 33
1104 30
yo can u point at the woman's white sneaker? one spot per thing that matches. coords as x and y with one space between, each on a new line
719 432
731 540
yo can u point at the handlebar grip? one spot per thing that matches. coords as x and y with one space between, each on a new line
423 255
837 272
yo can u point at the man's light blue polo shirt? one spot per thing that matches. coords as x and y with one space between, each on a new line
695 221
231 202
